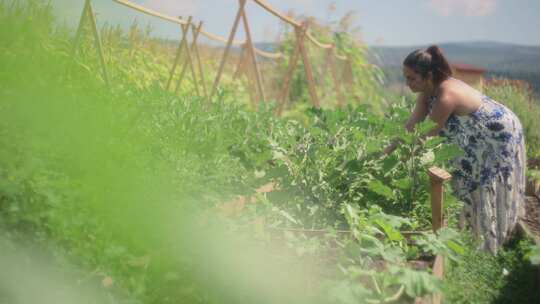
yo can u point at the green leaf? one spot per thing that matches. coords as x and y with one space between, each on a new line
403 183
392 233
534 255
417 283
425 126
381 189
447 152
434 141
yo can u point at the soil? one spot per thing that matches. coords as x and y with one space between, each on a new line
532 215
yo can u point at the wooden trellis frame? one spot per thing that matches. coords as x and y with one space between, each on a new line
88 13
249 51
183 42
188 61
195 30
299 51
250 62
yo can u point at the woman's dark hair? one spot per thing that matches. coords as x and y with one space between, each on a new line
431 60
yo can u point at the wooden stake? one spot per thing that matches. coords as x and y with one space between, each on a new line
290 73
195 31
251 52
437 177
309 71
177 57
227 49
97 39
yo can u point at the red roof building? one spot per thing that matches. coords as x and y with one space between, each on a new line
473 75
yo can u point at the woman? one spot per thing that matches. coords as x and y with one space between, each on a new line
490 177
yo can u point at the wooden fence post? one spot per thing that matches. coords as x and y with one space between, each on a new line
437 178
177 57
251 53
308 69
227 48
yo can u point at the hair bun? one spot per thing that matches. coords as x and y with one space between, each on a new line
435 52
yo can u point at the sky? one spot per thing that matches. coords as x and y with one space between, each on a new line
381 22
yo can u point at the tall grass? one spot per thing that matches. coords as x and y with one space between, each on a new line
526 107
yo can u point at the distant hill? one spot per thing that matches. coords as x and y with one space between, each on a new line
499 59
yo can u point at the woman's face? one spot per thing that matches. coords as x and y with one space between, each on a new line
415 81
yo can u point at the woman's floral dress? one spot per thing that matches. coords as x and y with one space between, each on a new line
490 177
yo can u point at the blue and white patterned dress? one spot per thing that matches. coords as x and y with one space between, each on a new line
490 177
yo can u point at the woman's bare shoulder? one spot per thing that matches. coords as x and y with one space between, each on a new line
459 94
453 90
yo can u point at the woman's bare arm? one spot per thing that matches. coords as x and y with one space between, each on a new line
419 113
440 113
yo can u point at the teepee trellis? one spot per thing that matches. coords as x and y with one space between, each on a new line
252 55
188 61
183 42
195 30
337 84
88 14
248 51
